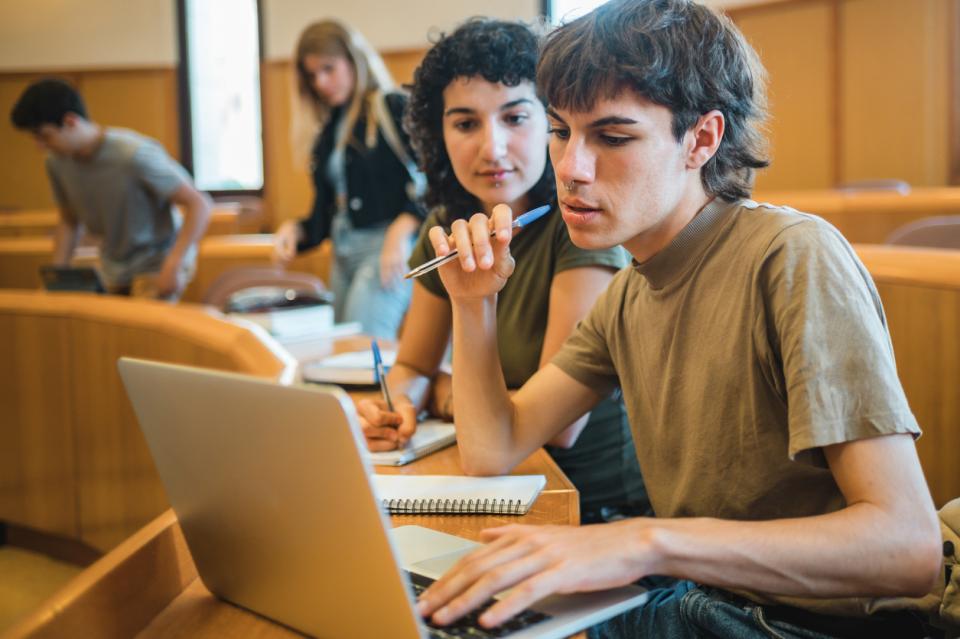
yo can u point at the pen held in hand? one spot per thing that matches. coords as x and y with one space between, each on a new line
380 375
519 223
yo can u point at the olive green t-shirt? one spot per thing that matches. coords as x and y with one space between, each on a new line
602 464
751 341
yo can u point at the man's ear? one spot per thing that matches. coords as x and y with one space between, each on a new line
70 119
704 138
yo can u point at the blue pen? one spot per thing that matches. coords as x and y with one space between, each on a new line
379 374
519 223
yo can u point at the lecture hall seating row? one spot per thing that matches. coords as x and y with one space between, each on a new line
226 218
920 289
21 258
869 217
73 463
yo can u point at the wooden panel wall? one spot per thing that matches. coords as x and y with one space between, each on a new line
146 100
796 45
859 88
894 106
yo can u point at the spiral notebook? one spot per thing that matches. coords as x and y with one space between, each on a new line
455 494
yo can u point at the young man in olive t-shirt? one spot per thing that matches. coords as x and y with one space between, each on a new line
748 340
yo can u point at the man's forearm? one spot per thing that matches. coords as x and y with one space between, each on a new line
857 551
195 220
64 243
484 412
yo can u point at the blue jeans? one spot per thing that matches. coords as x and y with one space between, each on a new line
689 611
355 281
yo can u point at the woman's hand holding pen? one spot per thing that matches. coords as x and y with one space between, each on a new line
484 263
385 429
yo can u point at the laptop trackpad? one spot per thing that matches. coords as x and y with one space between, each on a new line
428 552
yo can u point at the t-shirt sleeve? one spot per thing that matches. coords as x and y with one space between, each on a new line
585 356
569 255
824 321
59 195
423 251
158 171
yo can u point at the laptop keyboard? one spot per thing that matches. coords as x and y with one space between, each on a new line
468 626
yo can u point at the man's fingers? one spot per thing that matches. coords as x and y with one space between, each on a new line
468 570
489 583
521 597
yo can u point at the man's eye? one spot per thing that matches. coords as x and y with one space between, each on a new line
559 133
615 140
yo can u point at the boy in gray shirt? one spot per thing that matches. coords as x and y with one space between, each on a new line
120 186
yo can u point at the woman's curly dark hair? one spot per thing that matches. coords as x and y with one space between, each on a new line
495 50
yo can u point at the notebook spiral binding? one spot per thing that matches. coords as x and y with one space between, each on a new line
453 506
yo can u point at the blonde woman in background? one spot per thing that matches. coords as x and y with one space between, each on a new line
366 183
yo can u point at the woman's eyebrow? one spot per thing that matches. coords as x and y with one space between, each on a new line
458 110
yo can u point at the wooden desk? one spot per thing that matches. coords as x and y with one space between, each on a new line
226 218
26 223
869 216
148 586
21 258
920 289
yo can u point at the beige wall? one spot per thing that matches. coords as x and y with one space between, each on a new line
859 88
81 34
405 27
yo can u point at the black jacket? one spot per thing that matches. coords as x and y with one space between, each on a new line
376 179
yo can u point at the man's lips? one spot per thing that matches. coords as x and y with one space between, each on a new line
579 206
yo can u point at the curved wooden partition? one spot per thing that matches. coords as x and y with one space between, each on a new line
223 252
28 223
73 461
21 258
869 217
225 218
920 289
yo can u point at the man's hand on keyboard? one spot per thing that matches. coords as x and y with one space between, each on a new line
537 561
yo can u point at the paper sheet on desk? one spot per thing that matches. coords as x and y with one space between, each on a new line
431 435
354 368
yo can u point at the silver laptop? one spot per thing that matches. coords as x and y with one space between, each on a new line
274 499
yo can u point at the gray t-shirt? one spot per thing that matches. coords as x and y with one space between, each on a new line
122 194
